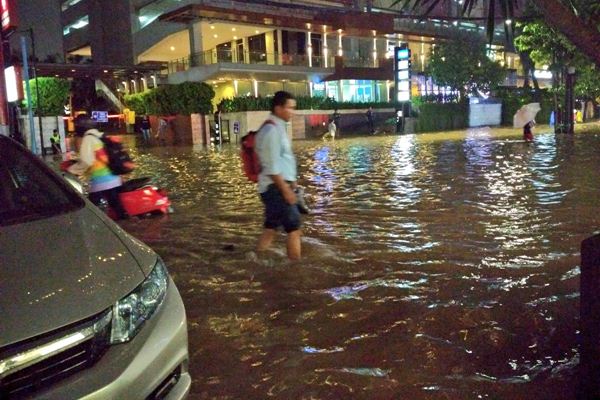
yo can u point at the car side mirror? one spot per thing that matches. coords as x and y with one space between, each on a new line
75 184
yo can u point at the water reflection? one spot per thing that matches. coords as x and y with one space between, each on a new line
434 268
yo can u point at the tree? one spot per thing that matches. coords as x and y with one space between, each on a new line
462 64
549 47
587 85
577 20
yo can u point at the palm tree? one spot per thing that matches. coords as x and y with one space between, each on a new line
578 21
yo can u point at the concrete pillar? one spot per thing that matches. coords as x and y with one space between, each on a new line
374 53
340 91
309 49
325 51
196 45
279 47
233 47
270 47
246 56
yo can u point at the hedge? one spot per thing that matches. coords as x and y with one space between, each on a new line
237 104
185 99
54 93
442 116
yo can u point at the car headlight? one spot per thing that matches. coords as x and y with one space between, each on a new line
130 313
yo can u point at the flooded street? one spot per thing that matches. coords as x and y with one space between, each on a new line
434 267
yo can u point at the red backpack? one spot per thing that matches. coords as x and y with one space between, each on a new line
250 161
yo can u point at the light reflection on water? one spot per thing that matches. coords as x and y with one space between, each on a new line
433 268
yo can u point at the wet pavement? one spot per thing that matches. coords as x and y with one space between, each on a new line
435 266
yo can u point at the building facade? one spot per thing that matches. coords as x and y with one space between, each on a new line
340 49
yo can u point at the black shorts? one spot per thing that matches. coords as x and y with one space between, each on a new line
278 212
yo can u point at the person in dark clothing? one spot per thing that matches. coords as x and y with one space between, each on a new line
146 129
371 120
527 131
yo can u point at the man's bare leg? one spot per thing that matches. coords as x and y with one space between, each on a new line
265 240
294 244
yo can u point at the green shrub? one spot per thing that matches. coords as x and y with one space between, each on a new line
137 103
185 99
54 94
442 116
237 104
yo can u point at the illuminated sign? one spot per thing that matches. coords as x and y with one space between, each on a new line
542 74
8 15
100 116
403 96
14 84
402 72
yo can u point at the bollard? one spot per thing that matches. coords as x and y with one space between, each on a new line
589 318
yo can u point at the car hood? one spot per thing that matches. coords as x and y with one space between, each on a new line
60 270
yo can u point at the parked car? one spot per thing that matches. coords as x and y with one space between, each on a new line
86 310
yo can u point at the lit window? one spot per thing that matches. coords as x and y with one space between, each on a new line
68 4
80 23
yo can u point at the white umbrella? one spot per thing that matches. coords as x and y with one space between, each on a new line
525 114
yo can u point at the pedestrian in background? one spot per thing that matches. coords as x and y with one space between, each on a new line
371 120
277 179
162 130
55 141
528 131
146 129
336 119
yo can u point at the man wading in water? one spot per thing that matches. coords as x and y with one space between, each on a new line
277 178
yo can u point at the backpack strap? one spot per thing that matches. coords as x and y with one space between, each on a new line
267 122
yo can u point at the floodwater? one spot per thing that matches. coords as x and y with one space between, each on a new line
434 267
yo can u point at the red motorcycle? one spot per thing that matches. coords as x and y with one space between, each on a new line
138 196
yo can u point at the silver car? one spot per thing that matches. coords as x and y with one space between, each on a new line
86 311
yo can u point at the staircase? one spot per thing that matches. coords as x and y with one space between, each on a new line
104 91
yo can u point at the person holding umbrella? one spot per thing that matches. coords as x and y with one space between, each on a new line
528 131
525 118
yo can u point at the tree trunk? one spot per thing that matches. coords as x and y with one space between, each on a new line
584 36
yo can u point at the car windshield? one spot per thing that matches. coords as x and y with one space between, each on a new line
28 190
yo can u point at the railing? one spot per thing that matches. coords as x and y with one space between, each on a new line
360 62
216 56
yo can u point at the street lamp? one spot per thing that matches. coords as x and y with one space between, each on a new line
570 103
37 86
